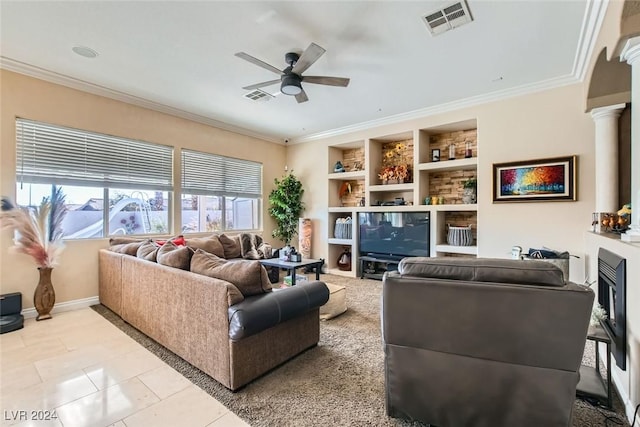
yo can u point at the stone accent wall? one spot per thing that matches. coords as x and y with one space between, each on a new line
458 138
353 159
449 184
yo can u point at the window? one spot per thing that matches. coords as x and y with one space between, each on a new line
220 193
91 168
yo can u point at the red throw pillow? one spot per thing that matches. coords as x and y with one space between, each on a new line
178 241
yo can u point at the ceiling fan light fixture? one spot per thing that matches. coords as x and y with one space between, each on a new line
290 85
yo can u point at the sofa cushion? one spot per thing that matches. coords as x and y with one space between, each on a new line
231 246
209 244
122 240
260 312
483 270
250 277
204 263
148 251
175 256
127 248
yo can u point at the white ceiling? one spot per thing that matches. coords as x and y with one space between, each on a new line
179 55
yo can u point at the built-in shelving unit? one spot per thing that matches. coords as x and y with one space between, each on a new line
363 160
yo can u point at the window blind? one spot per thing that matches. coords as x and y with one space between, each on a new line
211 174
51 154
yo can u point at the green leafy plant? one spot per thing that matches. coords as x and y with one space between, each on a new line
286 207
470 183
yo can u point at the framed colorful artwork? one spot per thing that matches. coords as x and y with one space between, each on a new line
535 180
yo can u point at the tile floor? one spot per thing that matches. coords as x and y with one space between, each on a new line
84 371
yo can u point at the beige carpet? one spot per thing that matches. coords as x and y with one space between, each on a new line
338 383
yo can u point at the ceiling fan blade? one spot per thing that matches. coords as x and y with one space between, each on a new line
302 97
325 80
263 84
258 62
308 57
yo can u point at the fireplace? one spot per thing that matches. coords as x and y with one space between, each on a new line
612 296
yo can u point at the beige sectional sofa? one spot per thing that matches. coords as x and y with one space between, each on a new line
190 314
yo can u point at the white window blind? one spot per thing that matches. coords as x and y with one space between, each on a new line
211 174
51 154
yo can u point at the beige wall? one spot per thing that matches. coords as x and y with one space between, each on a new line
545 124
77 275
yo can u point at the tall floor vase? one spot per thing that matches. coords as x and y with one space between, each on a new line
44 297
304 237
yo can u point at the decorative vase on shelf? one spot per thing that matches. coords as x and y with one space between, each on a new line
44 296
469 196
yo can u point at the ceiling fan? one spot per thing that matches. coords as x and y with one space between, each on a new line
291 77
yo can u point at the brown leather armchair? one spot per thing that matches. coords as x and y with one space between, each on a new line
482 342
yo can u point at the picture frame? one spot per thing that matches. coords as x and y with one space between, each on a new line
551 179
435 155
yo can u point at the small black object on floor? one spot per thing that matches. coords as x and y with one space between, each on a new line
10 308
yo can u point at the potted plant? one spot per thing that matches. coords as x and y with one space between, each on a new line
38 233
286 207
469 191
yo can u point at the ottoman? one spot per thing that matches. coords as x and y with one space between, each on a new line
337 303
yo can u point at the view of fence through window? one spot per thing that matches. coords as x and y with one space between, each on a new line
129 211
214 213
139 212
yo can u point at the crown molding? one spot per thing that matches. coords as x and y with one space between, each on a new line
591 23
73 83
443 108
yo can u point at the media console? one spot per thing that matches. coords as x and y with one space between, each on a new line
379 265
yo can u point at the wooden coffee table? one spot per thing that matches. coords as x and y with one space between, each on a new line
291 266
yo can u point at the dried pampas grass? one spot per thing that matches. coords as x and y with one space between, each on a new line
38 230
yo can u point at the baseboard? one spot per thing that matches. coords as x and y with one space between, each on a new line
76 304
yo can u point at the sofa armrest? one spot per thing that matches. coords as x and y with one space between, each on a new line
259 312
110 280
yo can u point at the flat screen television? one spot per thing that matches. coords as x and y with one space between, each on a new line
393 235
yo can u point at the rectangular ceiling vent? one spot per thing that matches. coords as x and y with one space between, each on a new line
258 95
447 18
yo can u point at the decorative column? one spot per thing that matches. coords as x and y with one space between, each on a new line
631 54
606 121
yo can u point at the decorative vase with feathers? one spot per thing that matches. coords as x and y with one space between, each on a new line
38 233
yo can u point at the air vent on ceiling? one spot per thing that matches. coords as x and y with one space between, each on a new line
447 18
258 95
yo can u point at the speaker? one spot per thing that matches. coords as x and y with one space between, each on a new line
10 308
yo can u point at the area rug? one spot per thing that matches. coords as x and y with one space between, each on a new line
338 383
